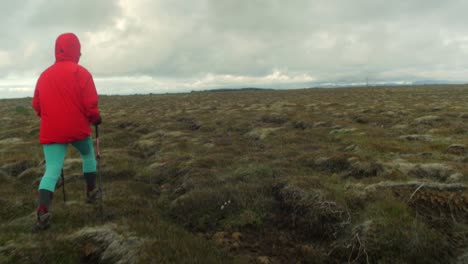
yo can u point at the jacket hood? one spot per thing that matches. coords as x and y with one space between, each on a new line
67 48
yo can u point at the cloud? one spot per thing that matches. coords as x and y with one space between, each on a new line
5 59
29 28
74 14
214 42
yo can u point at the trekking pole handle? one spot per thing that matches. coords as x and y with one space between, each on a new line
98 152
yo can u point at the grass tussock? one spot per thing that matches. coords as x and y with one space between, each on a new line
389 232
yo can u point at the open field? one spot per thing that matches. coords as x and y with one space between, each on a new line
355 175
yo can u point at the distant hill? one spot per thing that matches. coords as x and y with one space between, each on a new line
235 89
341 84
431 82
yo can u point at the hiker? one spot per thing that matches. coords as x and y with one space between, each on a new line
66 101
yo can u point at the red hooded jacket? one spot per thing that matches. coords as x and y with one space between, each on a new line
65 97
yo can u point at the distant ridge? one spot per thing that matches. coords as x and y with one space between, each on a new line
235 89
344 84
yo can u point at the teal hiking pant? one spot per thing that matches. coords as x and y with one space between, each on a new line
55 157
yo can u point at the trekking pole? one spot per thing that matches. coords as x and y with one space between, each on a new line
63 187
98 158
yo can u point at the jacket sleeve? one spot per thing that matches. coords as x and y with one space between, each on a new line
36 100
90 100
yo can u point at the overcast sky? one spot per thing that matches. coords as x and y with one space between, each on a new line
143 46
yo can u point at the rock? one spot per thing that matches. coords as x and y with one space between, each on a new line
428 119
457 149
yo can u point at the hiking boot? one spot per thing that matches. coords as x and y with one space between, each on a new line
93 196
43 221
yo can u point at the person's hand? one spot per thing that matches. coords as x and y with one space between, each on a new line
98 121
